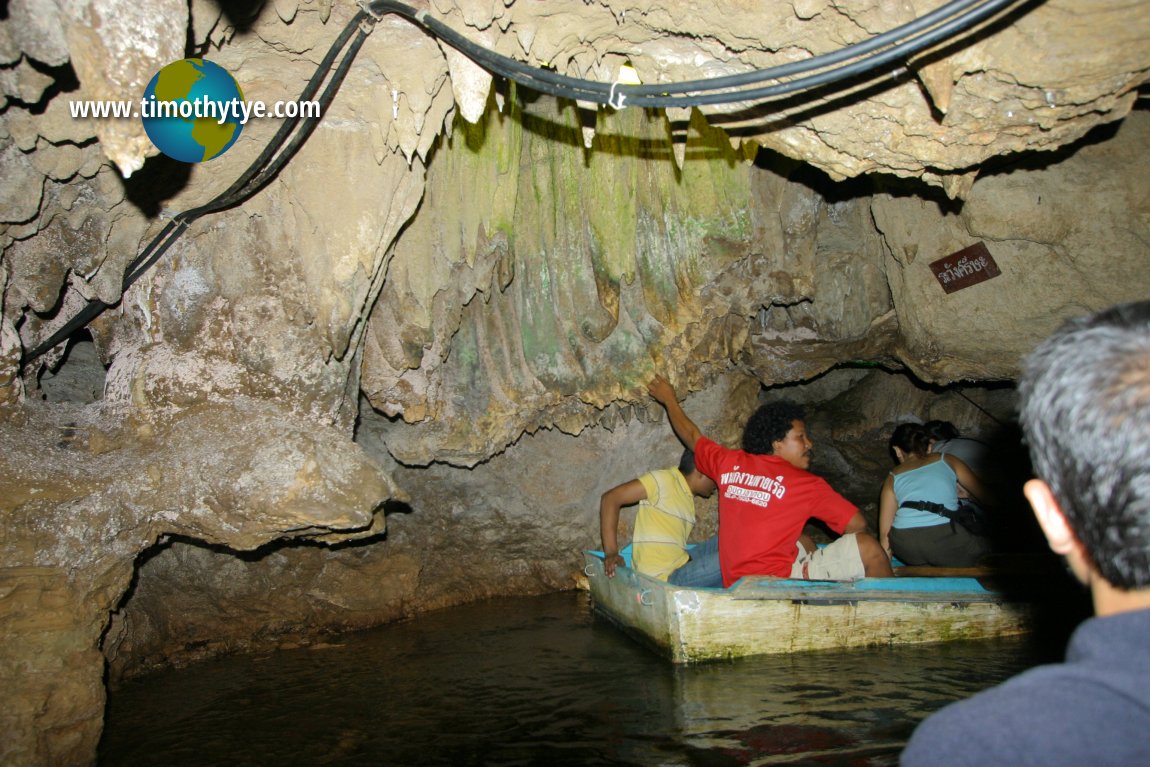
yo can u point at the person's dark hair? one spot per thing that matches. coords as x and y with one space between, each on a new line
769 424
941 430
1085 411
687 462
911 438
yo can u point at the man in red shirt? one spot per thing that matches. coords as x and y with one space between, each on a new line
767 495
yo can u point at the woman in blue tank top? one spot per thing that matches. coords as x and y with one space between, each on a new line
916 497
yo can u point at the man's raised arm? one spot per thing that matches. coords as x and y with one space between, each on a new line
685 428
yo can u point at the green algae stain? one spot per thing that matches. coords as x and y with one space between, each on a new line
592 261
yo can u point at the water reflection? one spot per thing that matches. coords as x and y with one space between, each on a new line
538 681
853 708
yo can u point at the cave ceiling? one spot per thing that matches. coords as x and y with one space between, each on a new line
1037 75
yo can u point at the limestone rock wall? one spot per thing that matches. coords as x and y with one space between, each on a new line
1069 236
85 492
773 269
500 316
542 284
264 300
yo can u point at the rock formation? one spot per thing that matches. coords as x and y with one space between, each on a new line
398 376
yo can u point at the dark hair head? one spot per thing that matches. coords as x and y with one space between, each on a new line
769 424
687 462
911 438
941 430
1085 410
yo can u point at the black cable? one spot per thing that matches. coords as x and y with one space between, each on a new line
236 192
821 61
239 189
984 411
249 179
507 65
840 74
953 17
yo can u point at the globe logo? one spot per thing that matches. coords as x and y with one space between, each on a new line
190 110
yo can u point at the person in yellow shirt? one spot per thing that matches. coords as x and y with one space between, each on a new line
663 522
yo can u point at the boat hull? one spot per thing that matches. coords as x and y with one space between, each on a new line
763 616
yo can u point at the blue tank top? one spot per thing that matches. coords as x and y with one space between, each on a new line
934 483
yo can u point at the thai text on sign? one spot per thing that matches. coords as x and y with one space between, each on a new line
964 268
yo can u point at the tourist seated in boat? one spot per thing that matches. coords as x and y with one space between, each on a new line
767 495
920 521
945 438
663 523
1084 400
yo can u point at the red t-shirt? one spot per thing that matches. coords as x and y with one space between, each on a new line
764 502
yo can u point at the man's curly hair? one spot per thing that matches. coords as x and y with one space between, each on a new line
769 424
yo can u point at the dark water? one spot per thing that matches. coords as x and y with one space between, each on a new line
538 681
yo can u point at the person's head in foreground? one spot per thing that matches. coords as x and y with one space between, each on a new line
1085 406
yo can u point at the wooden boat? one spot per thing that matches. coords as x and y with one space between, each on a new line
762 615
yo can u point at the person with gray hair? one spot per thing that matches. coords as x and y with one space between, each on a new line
1085 411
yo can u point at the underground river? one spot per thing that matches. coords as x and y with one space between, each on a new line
540 681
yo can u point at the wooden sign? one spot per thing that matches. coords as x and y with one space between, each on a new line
964 268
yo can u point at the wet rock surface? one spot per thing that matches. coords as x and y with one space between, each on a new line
84 491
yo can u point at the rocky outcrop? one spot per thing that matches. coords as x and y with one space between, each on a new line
798 277
83 493
1068 236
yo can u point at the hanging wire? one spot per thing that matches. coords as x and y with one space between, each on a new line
840 66
979 407
904 41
